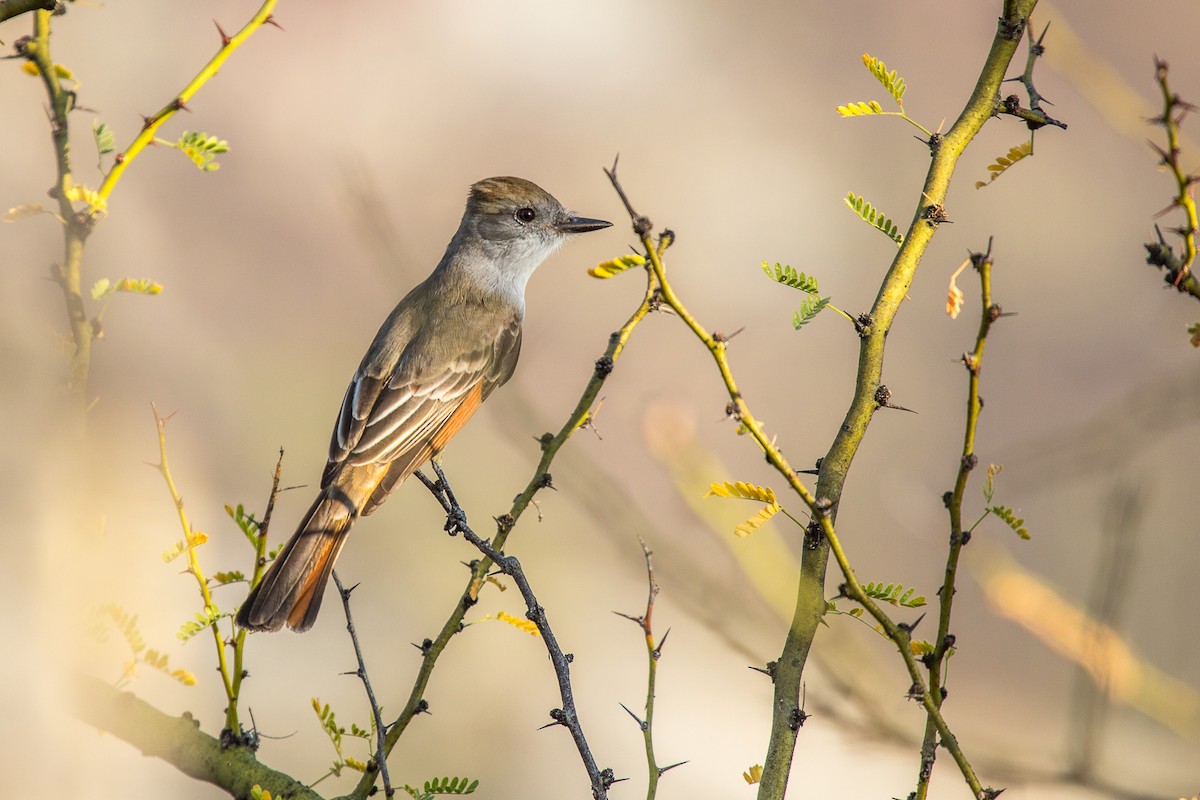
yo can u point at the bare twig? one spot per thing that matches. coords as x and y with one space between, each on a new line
653 653
1033 116
1177 269
568 715
361 672
943 643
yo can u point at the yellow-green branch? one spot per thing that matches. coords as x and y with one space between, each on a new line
197 572
228 45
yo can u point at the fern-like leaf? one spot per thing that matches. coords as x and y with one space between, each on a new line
861 109
616 266
520 623
873 217
1012 520
895 594
450 785
996 169
104 287
757 521
920 647
808 309
202 149
202 621
787 275
742 490
103 135
890 80
748 491
246 522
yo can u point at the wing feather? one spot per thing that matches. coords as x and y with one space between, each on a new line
388 415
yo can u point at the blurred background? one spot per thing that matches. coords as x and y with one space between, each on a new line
354 134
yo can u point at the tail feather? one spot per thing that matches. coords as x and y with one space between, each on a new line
291 590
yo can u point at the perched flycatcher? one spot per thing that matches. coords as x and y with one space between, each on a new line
452 340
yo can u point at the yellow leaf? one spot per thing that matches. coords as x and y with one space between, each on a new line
860 109
197 538
355 764
517 622
754 774
81 193
758 520
743 490
1002 163
616 266
59 70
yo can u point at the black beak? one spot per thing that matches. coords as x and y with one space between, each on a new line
574 224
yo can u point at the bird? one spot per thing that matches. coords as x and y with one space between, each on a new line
451 342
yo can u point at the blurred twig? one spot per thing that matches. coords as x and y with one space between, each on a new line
1177 268
1110 589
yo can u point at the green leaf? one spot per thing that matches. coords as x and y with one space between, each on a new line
450 785
895 594
248 525
201 149
202 621
104 138
876 219
890 80
1012 520
808 309
787 275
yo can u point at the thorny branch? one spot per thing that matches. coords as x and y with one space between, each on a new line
380 759
568 715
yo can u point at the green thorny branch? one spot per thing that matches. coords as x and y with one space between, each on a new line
645 621
1177 268
943 645
869 395
79 221
231 674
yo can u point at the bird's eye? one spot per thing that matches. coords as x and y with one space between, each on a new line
526 214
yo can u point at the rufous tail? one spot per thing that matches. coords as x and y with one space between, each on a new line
291 590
